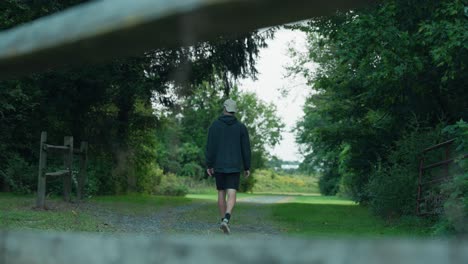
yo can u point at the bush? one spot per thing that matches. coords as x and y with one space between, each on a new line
171 185
100 179
151 178
455 216
353 172
393 183
247 185
190 152
393 190
19 175
170 166
91 187
329 182
192 170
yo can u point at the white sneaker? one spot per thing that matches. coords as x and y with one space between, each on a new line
225 226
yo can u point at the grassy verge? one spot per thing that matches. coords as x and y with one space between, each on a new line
317 199
312 215
17 212
332 216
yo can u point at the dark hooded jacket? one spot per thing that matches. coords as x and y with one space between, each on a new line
228 145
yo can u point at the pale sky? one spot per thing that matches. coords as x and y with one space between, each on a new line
272 78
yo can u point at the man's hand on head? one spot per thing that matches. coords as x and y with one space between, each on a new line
246 173
210 171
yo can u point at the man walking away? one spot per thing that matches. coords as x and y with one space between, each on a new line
227 149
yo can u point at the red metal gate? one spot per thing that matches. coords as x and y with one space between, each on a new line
430 198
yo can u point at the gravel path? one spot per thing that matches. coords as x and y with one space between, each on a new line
163 221
198 217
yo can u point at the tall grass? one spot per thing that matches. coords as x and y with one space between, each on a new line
274 182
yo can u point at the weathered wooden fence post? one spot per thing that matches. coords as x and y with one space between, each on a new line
67 151
41 180
68 162
82 177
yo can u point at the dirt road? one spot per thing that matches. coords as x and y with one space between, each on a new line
251 217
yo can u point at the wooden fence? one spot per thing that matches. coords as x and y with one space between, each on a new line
67 151
102 30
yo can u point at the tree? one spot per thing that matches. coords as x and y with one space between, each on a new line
110 105
380 68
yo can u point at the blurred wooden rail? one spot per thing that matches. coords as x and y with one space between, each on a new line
106 29
59 248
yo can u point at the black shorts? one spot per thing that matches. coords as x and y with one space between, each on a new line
227 180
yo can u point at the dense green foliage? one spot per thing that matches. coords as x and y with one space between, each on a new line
125 109
388 79
456 205
393 183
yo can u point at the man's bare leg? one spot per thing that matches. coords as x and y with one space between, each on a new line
222 202
231 200
228 206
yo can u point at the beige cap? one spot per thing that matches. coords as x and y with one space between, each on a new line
230 105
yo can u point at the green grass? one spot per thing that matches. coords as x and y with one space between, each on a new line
314 215
332 216
317 199
17 212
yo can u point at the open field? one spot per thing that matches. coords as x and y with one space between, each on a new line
273 182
